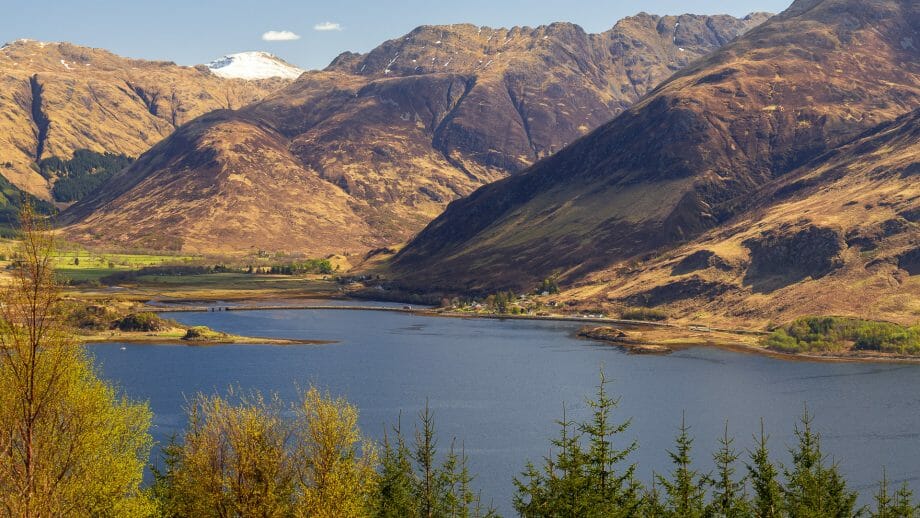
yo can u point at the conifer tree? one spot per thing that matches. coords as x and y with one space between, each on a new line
652 507
685 491
903 505
397 479
426 493
728 499
561 487
762 474
445 489
610 491
813 488
883 499
455 482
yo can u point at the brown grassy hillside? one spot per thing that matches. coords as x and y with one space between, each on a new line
691 158
838 236
56 98
376 145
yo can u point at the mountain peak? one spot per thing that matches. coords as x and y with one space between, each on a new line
253 65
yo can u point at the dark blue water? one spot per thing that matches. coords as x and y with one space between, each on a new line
497 386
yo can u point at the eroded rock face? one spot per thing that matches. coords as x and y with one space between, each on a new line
869 238
910 261
692 288
783 257
699 260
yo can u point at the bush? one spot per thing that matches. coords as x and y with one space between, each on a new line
646 314
94 317
202 333
145 322
821 334
549 285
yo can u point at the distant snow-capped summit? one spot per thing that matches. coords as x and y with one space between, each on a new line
253 65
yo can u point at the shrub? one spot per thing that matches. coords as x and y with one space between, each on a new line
145 322
202 333
810 334
95 317
646 314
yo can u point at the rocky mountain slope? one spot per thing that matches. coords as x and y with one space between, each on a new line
760 121
365 153
838 236
56 98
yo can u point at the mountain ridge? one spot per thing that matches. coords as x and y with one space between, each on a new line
61 97
680 161
400 131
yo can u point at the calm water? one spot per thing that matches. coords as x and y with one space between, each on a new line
498 385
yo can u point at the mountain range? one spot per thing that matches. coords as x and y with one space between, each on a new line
57 98
364 153
776 176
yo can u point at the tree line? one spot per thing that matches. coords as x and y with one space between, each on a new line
81 174
72 445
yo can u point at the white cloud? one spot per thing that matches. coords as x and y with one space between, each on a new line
327 26
280 36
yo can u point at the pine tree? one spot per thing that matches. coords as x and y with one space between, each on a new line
728 499
685 491
610 492
883 499
426 492
903 505
457 499
814 489
652 506
397 479
560 489
768 493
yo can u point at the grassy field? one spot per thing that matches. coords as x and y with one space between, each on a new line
84 265
81 270
212 286
74 263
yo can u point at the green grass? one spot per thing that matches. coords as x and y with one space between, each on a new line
86 266
832 334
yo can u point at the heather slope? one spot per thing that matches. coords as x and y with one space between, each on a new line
392 136
685 159
57 98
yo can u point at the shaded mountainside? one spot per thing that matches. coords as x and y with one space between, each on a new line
837 236
687 159
57 98
376 145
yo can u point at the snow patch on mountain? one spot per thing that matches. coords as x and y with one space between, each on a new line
253 65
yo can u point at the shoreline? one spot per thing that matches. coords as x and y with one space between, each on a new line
734 345
171 338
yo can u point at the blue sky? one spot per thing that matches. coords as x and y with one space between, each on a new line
190 32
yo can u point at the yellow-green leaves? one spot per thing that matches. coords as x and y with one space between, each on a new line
245 455
71 446
336 466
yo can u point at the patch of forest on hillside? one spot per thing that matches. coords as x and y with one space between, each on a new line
82 174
